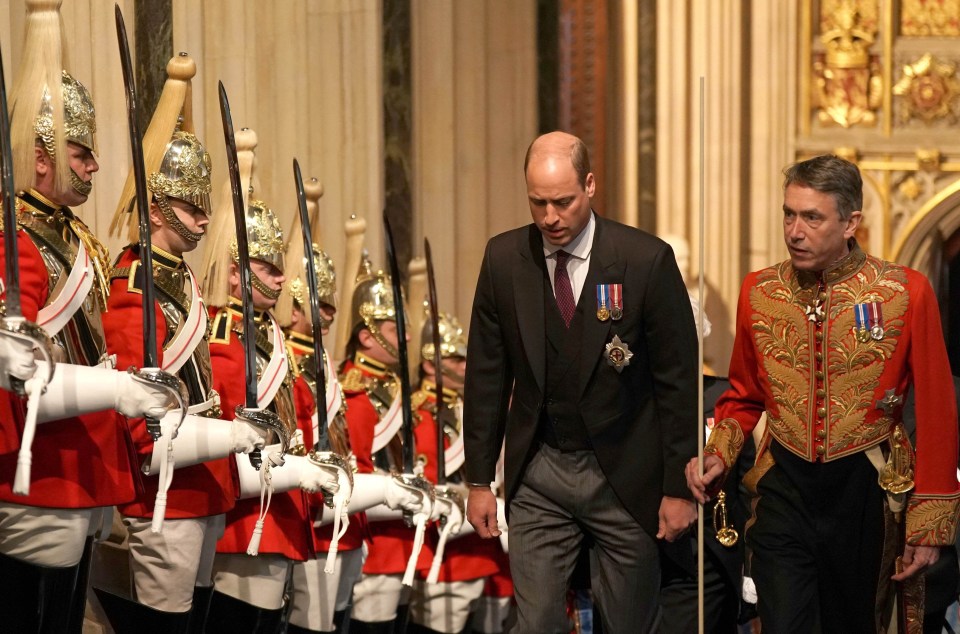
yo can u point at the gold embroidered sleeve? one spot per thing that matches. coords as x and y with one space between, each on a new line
932 519
726 441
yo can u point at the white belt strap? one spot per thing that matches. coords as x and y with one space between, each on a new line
191 331
272 377
58 312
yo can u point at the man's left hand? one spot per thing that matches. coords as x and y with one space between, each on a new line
916 559
676 517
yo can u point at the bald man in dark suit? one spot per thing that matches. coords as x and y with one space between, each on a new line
583 356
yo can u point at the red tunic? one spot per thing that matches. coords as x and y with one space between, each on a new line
79 462
198 491
392 540
469 557
287 526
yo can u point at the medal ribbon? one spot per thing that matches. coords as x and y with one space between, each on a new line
877 309
616 296
860 315
601 296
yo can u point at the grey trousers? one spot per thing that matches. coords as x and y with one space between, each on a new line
564 501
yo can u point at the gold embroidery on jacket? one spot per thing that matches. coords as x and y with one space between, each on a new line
784 340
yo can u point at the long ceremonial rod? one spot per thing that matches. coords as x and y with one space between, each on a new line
700 427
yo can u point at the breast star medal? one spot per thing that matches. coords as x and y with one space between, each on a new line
618 354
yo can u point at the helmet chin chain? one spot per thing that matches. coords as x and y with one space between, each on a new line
171 217
79 185
386 345
266 291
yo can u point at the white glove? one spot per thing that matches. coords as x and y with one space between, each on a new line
16 359
135 399
399 497
245 436
79 389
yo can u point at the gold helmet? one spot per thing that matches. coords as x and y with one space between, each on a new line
47 104
453 341
295 293
264 236
373 302
176 163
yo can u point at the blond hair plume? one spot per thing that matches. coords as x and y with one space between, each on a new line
295 288
174 112
42 63
216 255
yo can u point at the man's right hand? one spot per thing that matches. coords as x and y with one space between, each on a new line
16 359
482 512
713 469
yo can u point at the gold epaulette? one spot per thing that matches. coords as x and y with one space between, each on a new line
164 280
418 398
222 324
352 381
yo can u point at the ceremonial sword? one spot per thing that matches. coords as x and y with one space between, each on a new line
321 453
251 410
437 362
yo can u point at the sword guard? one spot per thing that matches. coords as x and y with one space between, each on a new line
421 486
156 377
29 332
336 461
268 421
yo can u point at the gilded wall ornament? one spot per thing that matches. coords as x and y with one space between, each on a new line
919 18
928 90
847 77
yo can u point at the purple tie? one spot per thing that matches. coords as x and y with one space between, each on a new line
562 289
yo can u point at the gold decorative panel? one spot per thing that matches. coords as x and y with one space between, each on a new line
928 90
923 18
847 76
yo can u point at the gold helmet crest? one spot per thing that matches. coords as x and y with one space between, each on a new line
453 341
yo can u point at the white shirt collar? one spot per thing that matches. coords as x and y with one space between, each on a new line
579 247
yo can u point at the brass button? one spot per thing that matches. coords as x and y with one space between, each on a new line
818 356
821 434
821 411
823 296
821 393
818 336
819 375
820 450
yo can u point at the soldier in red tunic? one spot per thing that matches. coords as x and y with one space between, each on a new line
827 344
318 599
171 560
83 457
446 605
249 590
373 417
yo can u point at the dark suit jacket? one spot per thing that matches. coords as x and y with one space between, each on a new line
642 422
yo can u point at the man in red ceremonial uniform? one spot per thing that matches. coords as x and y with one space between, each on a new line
446 606
83 456
828 343
171 561
374 415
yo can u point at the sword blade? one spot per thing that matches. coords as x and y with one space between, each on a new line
11 248
150 355
322 440
437 361
405 393
243 251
